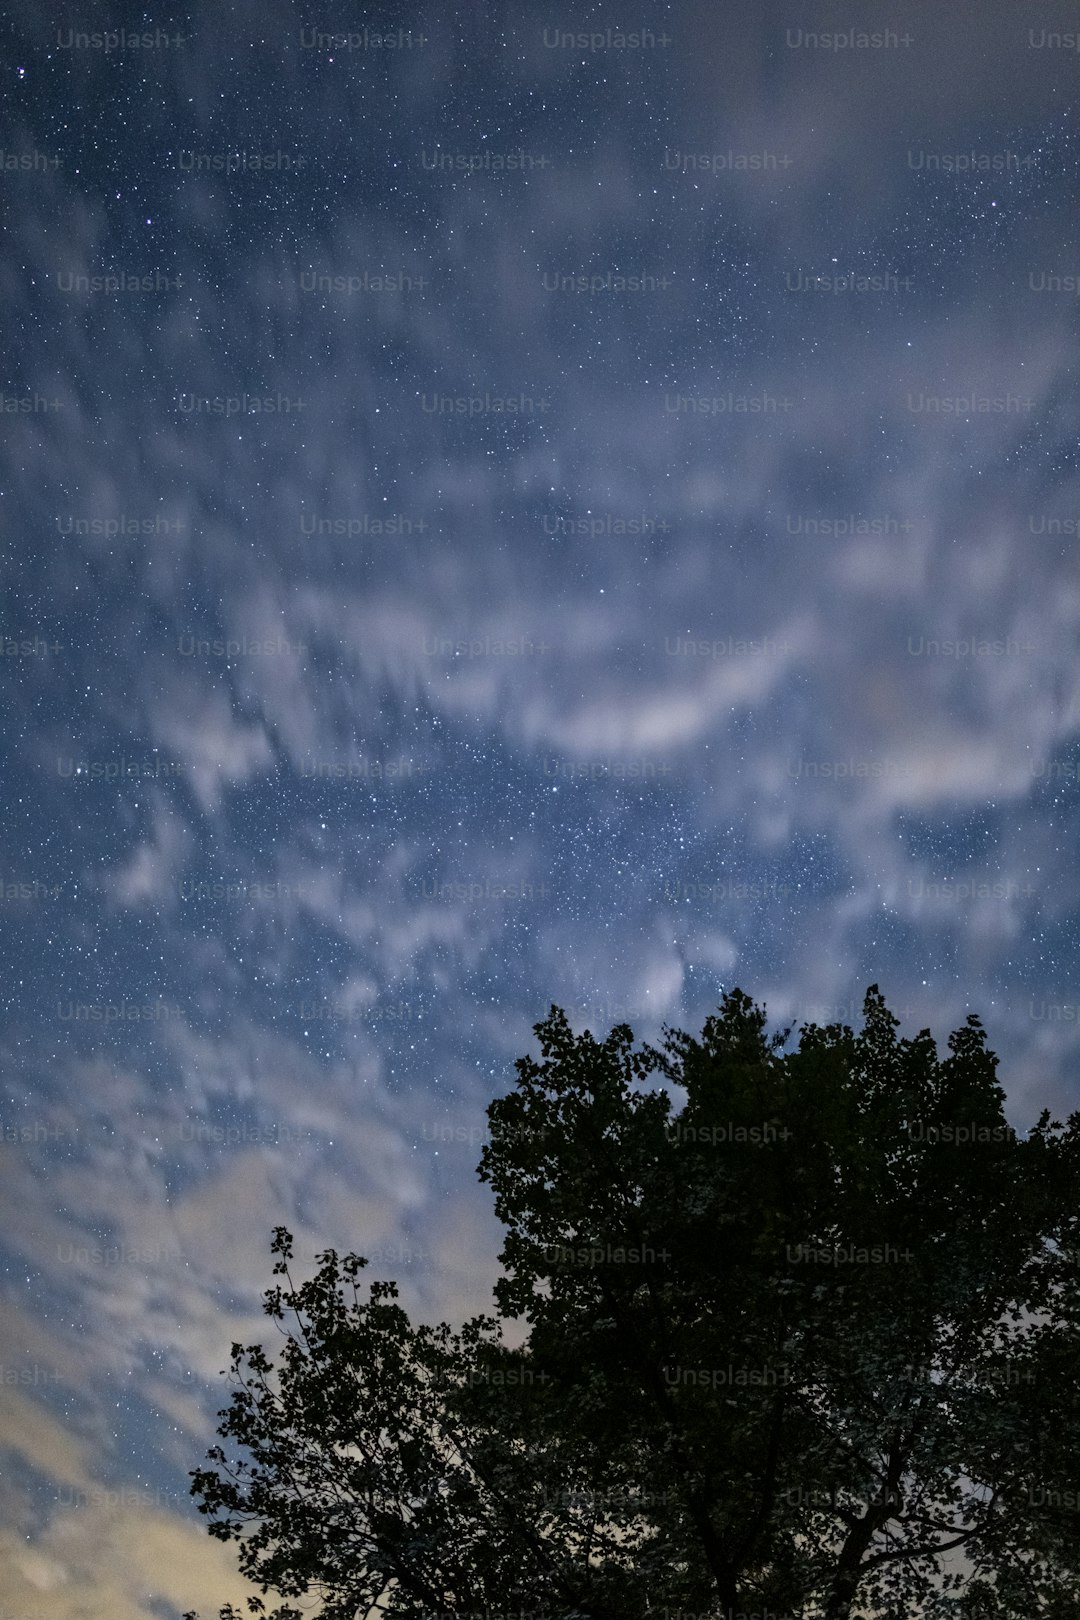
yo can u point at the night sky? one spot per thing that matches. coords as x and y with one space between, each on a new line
489 518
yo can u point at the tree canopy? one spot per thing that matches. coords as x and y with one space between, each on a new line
802 1333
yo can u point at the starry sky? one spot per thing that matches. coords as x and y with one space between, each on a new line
516 506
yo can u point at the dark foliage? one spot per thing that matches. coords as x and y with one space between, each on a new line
806 1346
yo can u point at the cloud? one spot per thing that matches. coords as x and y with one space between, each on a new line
148 875
120 1560
200 731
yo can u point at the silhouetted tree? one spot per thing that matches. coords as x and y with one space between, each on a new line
804 1344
